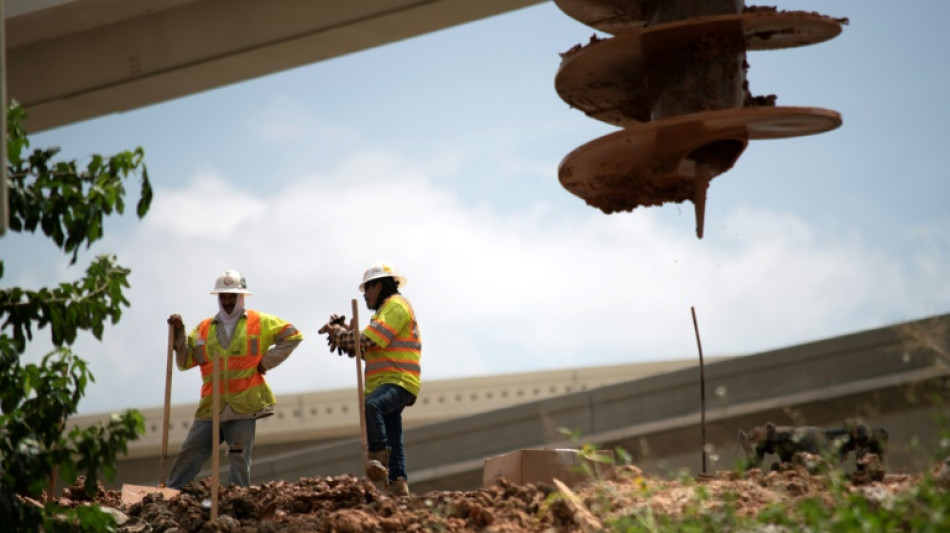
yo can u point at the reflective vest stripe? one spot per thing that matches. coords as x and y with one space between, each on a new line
201 346
403 350
244 363
288 331
234 385
253 332
406 365
234 363
397 345
383 330
402 371
237 368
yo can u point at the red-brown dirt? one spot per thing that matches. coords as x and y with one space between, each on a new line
345 504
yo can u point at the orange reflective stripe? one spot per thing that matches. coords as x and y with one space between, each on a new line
380 370
242 384
208 368
415 347
235 364
253 326
253 332
234 385
243 362
411 366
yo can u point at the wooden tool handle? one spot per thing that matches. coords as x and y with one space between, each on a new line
357 348
168 400
215 435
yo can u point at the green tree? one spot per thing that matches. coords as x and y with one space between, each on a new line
67 204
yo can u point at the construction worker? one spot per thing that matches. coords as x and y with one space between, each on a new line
248 343
392 348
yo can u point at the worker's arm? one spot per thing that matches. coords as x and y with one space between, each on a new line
282 337
345 339
277 354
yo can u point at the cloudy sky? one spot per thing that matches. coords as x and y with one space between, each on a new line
440 154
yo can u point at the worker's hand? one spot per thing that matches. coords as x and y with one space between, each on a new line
260 368
333 338
176 322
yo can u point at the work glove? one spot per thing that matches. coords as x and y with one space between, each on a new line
348 350
179 326
334 326
332 334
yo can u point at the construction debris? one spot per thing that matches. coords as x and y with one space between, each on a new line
810 446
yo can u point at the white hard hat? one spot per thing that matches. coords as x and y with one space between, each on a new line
231 282
382 269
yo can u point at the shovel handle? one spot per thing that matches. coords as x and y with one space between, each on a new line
215 434
168 401
358 348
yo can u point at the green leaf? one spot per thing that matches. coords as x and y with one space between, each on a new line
36 400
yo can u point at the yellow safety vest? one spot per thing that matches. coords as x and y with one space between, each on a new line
397 356
241 386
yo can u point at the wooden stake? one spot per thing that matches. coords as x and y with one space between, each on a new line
702 388
215 436
162 478
359 381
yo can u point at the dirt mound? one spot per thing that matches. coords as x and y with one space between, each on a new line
345 504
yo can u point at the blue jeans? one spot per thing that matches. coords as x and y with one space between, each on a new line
239 434
384 425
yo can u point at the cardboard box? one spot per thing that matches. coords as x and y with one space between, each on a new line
539 465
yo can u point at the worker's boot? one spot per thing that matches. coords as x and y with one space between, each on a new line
377 468
400 487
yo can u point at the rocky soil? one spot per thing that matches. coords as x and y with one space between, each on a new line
349 504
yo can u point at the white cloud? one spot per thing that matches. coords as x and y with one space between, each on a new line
540 288
210 208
